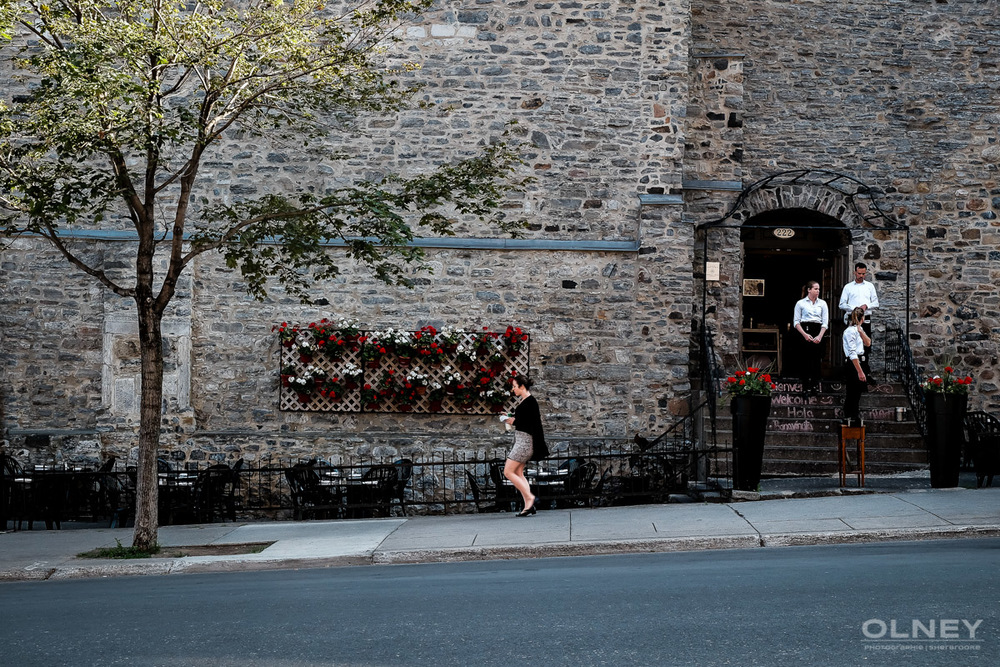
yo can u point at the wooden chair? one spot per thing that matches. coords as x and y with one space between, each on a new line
857 434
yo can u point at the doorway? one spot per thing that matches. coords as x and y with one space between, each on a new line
782 250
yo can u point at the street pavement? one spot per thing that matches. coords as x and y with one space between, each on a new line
787 512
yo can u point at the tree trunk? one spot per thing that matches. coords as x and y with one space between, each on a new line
150 409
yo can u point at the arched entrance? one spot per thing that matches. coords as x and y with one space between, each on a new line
782 249
781 231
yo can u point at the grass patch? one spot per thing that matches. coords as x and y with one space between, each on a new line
123 552
120 551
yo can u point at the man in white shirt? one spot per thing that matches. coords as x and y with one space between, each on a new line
860 294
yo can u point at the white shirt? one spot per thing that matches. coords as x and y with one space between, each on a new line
858 294
807 311
854 345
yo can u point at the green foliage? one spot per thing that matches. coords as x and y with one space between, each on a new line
122 100
120 552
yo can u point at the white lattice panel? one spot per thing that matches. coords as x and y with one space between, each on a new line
351 400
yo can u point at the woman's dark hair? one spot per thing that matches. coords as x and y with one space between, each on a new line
523 380
807 287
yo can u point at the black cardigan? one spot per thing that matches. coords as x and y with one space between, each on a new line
528 418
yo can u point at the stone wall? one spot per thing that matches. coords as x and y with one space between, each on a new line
901 95
676 100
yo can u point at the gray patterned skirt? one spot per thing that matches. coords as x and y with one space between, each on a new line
523 447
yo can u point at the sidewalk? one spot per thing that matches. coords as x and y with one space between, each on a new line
789 512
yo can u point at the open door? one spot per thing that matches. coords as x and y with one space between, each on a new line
782 251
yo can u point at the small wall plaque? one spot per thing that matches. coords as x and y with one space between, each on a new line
712 271
784 232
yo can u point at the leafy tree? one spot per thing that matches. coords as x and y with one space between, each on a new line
121 102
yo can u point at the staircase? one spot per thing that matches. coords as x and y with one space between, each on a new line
803 432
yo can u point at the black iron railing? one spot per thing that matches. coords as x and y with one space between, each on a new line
899 363
607 472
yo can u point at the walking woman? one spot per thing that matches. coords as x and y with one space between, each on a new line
856 368
529 442
812 318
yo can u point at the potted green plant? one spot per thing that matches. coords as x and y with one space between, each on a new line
496 399
372 351
514 340
946 397
352 375
750 405
449 339
435 397
286 334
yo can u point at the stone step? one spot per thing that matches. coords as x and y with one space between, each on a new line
810 468
827 427
804 431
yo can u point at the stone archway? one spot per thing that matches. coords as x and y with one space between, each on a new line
838 201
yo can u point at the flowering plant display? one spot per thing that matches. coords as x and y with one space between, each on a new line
306 382
496 396
949 383
449 338
352 374
465 394
485 342
416 380
348 329
514 339
464 358
334 358
427 347
372 349
286 334
436 391
370 396
401 342
306 351
482 381
751 382
450 378
332 388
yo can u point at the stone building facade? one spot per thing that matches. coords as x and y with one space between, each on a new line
649 128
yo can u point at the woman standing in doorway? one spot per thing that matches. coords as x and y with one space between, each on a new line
529 442
812 318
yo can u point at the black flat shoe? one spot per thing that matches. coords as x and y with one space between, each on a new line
527 511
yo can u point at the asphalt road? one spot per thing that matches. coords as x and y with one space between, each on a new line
830 605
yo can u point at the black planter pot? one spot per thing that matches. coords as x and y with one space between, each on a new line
750 415
945 413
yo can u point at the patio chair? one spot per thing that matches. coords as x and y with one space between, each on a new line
404 470
308 495
580 485
984 446
215 493
13 494
479 496
506 495
376 498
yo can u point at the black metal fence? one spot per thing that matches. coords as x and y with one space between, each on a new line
899 363
608 472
